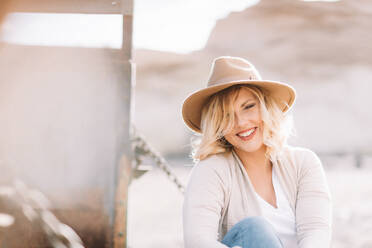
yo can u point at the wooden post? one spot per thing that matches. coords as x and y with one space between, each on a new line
124 164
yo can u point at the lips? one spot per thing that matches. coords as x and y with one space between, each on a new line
247 134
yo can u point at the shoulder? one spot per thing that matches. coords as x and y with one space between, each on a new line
208 176
214 165
216 162
299 152
302 157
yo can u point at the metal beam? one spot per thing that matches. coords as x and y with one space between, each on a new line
68 6
124 163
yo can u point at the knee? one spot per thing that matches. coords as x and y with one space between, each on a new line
255 223
256 231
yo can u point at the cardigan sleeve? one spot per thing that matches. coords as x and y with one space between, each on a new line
203 204
314 205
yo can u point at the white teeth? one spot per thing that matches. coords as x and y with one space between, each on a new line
247 133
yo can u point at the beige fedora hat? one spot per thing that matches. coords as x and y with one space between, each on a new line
227 71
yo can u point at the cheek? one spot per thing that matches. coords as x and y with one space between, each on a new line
257 116
229 137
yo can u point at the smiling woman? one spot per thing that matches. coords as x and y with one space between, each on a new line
249 188
250 104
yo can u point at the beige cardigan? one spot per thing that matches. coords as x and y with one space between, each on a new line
219 194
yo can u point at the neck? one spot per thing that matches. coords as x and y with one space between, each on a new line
255 160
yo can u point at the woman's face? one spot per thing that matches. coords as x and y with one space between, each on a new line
246 136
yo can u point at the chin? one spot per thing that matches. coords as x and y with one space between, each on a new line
250 148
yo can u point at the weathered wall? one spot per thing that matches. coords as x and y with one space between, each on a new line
61 112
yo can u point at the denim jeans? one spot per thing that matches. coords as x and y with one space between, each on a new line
252 232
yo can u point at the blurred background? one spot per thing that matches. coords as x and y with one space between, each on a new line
62 104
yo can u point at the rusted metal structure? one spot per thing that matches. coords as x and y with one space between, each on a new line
125 156
116 194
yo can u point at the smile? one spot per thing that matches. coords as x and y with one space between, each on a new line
247 134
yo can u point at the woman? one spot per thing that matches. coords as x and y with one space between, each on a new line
249 188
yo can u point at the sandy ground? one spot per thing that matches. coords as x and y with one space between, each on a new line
155 207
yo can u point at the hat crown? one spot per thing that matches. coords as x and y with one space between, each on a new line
226 68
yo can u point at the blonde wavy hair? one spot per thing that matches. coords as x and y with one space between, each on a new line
218 118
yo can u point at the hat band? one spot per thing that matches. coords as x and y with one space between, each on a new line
240 78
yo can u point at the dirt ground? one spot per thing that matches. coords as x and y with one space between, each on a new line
155 211
155 208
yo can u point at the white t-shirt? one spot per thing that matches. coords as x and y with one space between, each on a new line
282 218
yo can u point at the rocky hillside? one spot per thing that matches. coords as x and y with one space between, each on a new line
321 48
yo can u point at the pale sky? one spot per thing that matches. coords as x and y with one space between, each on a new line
178 26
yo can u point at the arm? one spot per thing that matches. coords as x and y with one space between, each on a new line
202 207
313 206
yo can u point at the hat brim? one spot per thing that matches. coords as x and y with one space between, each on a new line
282 93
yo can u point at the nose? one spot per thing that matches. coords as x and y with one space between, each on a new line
240 121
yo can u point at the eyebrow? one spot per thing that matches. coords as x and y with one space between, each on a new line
246 102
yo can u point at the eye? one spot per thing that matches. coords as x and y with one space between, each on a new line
249 106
